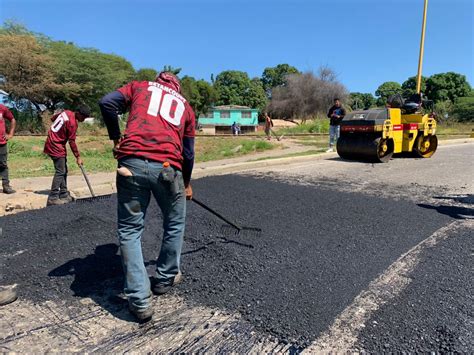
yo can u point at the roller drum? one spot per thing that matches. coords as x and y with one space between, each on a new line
362 147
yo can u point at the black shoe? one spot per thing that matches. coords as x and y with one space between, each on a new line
7 294
7 189
56 202
160 288
142 314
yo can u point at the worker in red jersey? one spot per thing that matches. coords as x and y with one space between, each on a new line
5 114
155 156
63 130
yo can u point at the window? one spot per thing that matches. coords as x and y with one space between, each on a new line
207 115
225 114
246 114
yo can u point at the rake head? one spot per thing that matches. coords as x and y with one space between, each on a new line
231 231
93 199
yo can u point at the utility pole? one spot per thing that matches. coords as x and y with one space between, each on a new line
422 47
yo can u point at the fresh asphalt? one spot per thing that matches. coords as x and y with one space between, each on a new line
322 244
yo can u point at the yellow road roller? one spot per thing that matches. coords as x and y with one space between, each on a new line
376 135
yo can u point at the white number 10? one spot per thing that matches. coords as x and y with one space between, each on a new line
171 114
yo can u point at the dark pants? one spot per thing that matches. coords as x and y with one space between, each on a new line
3 164
59 185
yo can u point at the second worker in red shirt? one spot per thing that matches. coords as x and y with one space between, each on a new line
63 130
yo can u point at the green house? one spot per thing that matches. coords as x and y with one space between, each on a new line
219 119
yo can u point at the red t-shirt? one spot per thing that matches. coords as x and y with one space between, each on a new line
159 119
62 130
4 114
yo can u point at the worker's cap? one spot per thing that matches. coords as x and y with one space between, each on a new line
169 79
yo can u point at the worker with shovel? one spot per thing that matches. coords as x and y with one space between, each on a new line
63 130
155 156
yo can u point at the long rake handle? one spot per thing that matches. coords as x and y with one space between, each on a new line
216 214
87 180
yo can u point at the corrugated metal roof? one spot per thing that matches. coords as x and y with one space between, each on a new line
231 107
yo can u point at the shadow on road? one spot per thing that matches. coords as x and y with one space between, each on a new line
468 199
98 276
451 211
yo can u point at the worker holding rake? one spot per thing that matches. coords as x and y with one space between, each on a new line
155 156
63 129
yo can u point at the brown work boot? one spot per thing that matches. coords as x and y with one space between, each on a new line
7 294
159 288
67 197
7 189
56 202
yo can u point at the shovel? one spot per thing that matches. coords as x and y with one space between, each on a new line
94 197
235 227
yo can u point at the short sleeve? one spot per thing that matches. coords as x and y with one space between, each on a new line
7 114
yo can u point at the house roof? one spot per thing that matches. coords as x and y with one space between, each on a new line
232 107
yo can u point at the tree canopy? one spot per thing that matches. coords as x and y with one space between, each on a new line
234 87
386 90
273 77
447 86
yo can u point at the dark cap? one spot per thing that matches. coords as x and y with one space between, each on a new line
84 110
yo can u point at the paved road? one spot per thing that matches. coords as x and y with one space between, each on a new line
353 256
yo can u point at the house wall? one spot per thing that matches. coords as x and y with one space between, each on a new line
235 116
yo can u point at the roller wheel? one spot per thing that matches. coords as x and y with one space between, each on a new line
425 146
384 149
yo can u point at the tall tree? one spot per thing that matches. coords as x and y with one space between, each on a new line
27 71
145 74
200 94
235 88
273 77
447 86
172 70
359 101
305 95
409 86
386 90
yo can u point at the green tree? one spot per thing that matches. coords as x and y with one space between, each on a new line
200 94
463 108
235 88
92 73
447 86
273 77
172 70
359 101
146 74
27 72
386 90
409 86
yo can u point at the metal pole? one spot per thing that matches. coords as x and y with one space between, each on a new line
422 46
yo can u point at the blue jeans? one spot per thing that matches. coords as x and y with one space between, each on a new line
133 197
333 134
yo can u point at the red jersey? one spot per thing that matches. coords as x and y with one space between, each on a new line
159 119
63 129
4 114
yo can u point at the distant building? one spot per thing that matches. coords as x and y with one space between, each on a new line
219 119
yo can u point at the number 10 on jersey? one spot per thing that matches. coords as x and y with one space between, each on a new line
168 106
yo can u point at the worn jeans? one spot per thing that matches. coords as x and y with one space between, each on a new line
333 134
133 197
59 185
3 164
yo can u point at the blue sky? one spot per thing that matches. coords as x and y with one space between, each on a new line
366 42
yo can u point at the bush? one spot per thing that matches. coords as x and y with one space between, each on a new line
463 108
